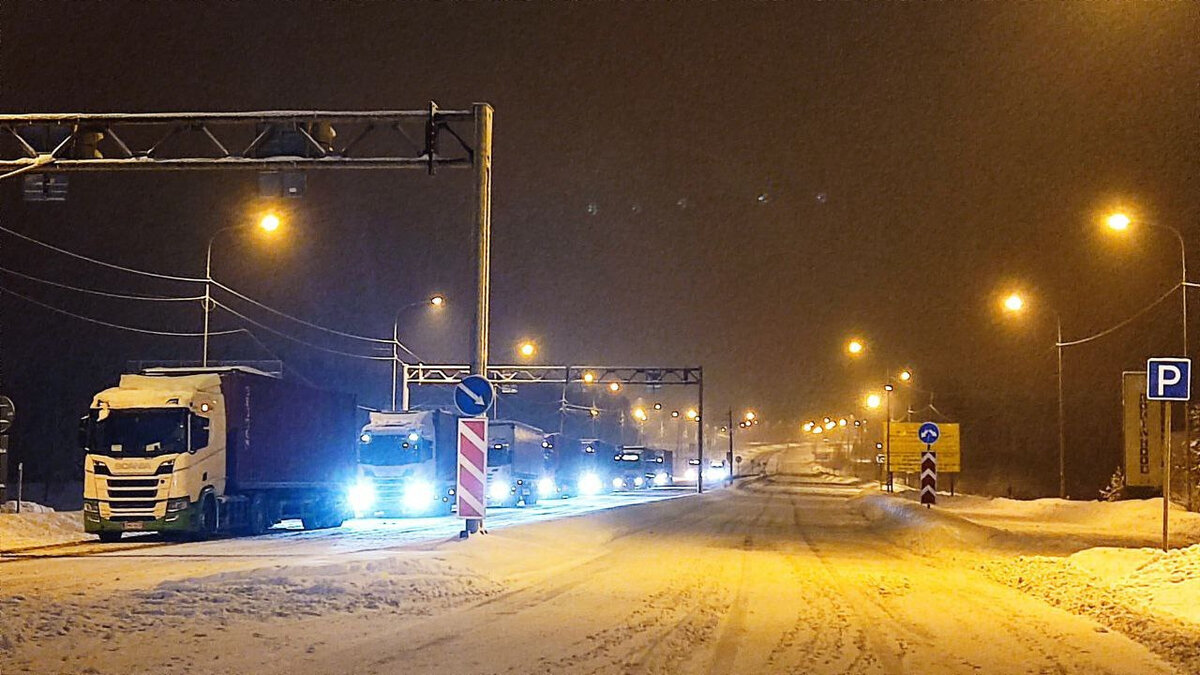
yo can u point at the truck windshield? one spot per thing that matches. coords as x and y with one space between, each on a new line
391 451
141 433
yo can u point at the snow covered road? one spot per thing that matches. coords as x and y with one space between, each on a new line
782 576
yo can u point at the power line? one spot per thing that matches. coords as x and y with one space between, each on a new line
108 324
94 261
292 338
1122 324
218 284
107 294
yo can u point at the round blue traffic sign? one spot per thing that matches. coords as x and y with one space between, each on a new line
474 395
929 433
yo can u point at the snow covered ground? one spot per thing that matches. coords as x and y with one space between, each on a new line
807 573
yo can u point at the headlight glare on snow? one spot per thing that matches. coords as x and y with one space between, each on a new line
362 496
418 495
589 484
690 474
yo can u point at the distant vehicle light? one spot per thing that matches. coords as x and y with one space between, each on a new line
362 497
499 491
418 495
546 487
589 484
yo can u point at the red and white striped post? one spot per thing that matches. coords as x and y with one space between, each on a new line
472 468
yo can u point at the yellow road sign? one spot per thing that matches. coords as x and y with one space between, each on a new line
906 447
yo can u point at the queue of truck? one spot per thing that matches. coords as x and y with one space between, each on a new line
197 452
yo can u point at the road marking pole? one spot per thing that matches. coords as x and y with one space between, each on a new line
928 477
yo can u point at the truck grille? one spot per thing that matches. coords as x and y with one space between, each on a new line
389 490
133 497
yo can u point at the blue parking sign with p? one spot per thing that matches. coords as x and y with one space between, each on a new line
1169 379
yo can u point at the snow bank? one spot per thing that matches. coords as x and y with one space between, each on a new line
29 529
26 507
926 530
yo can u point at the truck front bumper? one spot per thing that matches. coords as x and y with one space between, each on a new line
174 521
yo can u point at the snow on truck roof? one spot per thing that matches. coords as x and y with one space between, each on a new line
201 370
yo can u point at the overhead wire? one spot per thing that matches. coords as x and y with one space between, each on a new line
297 340
1121 324
107 294
102 263
109 324
331 331
213 282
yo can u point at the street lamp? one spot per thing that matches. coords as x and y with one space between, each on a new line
874 401
1014 304
436 301
1120 222
855 347
268 223
614 387
527 349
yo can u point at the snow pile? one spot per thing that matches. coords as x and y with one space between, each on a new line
19 531
26 507
925 530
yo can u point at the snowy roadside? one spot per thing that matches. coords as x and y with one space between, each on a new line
39 526
1147 594
90 631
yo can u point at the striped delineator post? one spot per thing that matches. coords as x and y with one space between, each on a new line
928 478
472 468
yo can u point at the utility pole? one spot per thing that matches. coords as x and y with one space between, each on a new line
700 434
482 165
729 453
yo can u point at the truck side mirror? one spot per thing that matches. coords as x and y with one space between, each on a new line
84 441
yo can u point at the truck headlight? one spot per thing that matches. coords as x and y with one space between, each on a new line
638 481
589 484
546 487
418 496
690 474
498 491
361 496
618 483
180 504
93 507
661 478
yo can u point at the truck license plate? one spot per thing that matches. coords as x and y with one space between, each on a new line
134 525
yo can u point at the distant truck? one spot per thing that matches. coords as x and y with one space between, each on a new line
520 468
407 463
660 467
197 452
584 466
629 468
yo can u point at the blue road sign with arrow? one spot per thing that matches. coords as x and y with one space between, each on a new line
474 395
929 433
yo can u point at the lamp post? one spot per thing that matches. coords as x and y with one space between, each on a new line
435 301
268 223
1014 303
1120 222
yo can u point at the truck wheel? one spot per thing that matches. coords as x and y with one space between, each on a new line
207 525
109 536
531 499
258 516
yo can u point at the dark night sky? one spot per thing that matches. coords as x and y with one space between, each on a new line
917 158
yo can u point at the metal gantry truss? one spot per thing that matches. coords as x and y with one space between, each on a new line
518 374
566 375
264 140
